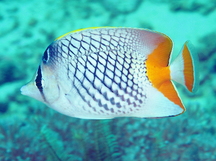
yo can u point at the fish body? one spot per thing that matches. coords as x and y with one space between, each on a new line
103 73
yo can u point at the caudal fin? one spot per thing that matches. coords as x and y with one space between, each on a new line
184 68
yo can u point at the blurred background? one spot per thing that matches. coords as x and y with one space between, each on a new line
31 131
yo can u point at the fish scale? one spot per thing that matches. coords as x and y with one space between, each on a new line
87 75
115 95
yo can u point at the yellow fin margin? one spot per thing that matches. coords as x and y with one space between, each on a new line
80 30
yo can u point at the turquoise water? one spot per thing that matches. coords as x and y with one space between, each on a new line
30 130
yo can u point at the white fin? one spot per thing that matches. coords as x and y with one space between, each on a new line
184 68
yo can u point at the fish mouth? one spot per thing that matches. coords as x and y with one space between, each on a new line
23 90
27 89
31 90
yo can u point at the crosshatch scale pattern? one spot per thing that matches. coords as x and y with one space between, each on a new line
104 69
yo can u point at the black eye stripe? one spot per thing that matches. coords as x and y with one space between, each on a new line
38 82
38 79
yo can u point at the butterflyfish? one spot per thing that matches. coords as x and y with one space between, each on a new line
108 72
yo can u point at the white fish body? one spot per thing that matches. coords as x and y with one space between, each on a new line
102 73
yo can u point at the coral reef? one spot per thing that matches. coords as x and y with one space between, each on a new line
31 131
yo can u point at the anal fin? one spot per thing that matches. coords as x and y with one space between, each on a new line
169 91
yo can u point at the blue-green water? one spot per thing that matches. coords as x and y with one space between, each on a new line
31 131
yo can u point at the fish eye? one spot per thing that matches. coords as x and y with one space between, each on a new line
46 56
38 80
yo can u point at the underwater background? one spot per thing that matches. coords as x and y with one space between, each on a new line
30 131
